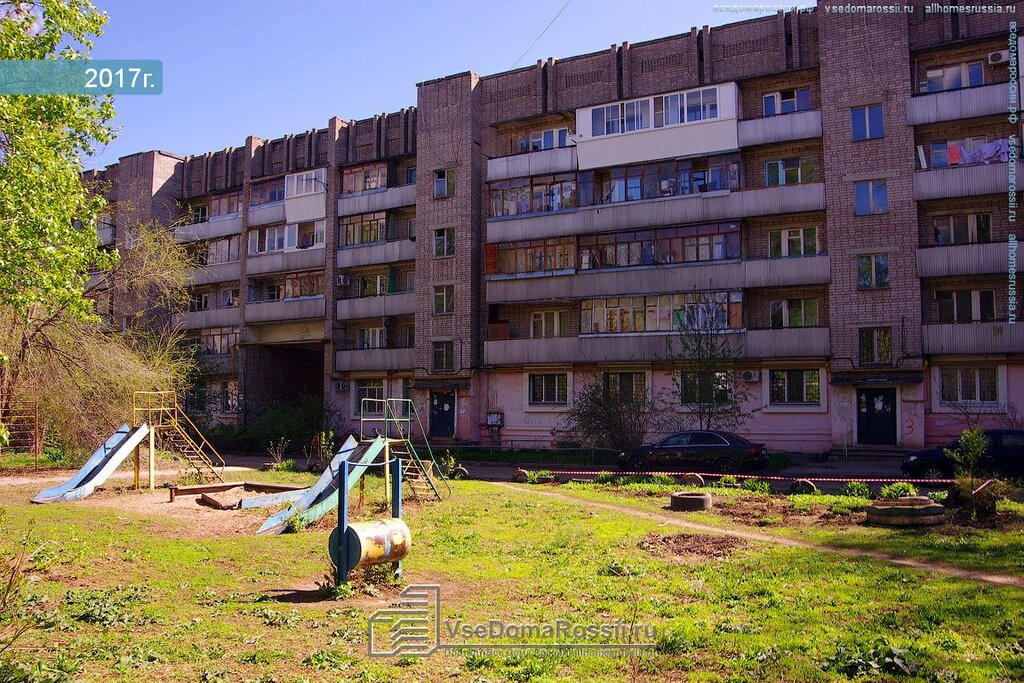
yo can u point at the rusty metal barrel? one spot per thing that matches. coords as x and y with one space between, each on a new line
375 542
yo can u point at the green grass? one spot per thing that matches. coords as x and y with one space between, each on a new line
132 598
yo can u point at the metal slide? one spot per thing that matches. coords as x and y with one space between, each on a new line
95 471
322 497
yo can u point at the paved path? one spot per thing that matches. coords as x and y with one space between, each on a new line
750 535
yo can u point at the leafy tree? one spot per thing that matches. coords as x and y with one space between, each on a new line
607 417
707 355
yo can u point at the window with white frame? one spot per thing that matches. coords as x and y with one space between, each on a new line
549 388
794 313
444 183
954 77
870 196
668 110
443 357
974 228
307 182
549 139
793 242
969 385
708 388
444 242
629 387
866 123
371 389
546 324
966 305
791 171
277 238
795 386
311 234
371 338
444 299
875 345
787 101
872 271
222 251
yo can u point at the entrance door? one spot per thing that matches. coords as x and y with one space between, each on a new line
442 414
876 416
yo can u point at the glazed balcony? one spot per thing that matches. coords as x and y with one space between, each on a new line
283 261
266 214
284 310
556 160
217 226
375 359
399 303
963 181
964 259
954 105
214 317
973 338
798 125
382 199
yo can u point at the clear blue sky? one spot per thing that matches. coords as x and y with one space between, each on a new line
268 67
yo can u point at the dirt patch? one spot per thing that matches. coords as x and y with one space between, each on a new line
186 518
772 512
686 547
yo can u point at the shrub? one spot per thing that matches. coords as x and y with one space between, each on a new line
856 489
605 478
544 473
286 466
983 503
897 489
939 496
727 480
531 477
757 486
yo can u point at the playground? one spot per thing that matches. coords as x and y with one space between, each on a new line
215 582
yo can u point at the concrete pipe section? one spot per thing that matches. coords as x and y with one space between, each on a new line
689 501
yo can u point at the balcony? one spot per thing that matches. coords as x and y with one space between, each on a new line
217 364
794 342
375 359
973 338
265 214
282 261
965 103
218 226
105 235
964 259
399 303
781 128
286 309
963 181
638 280
557 160
307 207
215 317
641 214
377 252
221 272
377 200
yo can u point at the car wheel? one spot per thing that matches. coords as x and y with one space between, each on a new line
725 466
933 473
638 464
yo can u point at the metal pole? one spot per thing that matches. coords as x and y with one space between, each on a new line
341 569
138 465
152 459
396 499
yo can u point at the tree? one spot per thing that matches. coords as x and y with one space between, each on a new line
707 356
606 414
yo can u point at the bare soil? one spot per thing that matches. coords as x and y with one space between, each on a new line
185 518
692 547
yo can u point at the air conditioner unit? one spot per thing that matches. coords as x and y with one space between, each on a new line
344 280
751 376
999 57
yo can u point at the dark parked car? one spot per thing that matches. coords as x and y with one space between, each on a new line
1004 456
697 450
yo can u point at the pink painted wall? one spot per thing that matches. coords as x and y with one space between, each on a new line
941 428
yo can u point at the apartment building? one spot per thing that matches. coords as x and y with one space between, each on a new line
836 185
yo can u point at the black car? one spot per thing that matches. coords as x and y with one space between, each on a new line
1004 456
697 450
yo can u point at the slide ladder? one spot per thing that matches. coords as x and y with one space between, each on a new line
177 433
393 418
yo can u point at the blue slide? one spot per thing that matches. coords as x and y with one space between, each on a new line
97 468
322 497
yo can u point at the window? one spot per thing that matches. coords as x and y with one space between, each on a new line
364 228
792 171
363 178
222 251
531 195
787 101
266 192
311 234
537 256
866 122
629 387
373 391
953 77
663 313
198 301
371 338
308 182
665 179
304 285
216 340
198 213
227 298
444 299
963 229
668 110
444 183
870 196
713 242
549 139
410 175
261 292
794 313
965 305
794 386
793 242
873 271
875 345
226 204
444 242
708 388
962 385
959 152
549 388
443 356
546 324
227 396
277 238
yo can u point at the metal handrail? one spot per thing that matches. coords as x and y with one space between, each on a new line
204 442
430 451
390 416
163 405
